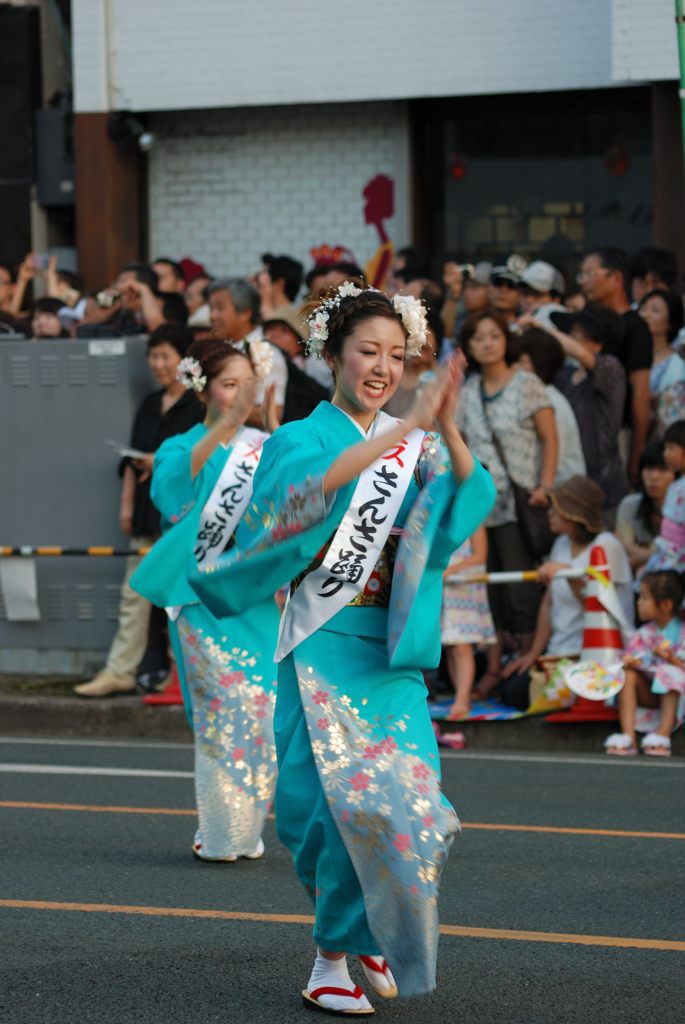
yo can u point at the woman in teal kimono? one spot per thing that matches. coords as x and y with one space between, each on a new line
361 513
201 483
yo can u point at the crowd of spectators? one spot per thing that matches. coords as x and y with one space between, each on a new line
571 389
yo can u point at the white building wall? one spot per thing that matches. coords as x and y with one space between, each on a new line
644 41
175 55
227 187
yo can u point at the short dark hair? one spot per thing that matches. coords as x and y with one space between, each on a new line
415 263
661 263
675 434
511 352
665 585
432 295
10 270
544 352
411 272
318 270
176 267
174 307
74 281
287 269
47 305
674 306
177 335
144 273
346 267
612 258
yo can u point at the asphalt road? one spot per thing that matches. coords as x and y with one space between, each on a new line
106 917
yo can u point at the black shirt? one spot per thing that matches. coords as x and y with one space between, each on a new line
636 349
635 352
302 394
150 427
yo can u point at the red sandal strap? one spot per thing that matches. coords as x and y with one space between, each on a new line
373 966
331 990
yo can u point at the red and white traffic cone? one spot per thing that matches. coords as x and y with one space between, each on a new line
602 639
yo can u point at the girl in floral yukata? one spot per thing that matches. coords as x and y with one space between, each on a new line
360 513
202 484
654 665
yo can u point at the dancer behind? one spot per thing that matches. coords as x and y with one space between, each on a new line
465 621
362 513
202 484
654 666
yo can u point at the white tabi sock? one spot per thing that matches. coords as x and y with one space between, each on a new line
381 981
334 974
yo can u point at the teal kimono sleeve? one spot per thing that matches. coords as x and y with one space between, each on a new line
285 526
444 515
172 489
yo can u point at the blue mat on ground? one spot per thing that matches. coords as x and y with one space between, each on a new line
481 711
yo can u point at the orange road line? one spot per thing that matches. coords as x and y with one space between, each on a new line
94 808
615 941
491 827
575 831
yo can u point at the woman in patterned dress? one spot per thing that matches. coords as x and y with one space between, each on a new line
506 410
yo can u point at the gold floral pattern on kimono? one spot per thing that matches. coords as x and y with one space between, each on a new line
384 797
235 750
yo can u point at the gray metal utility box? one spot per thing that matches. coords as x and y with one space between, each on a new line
59 485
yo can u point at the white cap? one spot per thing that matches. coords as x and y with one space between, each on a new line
539 276
559 285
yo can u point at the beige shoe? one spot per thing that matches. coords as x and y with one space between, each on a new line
105 684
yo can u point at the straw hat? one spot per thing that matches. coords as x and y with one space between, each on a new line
581 500
289 316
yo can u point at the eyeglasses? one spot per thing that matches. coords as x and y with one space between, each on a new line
503 282
587 275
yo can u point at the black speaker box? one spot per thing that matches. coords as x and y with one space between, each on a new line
20 96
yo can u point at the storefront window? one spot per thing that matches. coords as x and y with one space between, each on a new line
541 175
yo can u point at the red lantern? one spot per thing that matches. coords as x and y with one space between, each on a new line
458 170
617 160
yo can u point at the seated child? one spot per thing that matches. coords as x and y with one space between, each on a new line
654 665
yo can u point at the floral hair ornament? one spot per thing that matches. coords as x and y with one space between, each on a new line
190 374
410 310
261 357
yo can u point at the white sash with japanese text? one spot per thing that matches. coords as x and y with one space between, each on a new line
228 500
357 544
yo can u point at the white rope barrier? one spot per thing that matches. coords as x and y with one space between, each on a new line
520 576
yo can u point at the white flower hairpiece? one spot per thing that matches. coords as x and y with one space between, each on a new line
413 314
190 374
411 311
262 358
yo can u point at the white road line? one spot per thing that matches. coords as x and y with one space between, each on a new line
590 760
465 755
128 744
63 769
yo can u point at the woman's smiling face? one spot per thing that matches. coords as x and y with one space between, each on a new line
371 364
